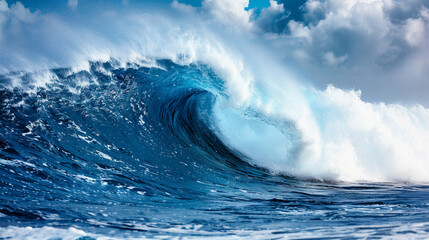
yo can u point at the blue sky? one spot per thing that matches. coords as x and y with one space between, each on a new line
51 6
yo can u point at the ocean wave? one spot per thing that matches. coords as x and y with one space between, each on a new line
146 123
326 135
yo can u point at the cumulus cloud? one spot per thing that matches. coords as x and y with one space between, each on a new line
272 18
182 7
415 31
17 11
379 46
229 13
298 30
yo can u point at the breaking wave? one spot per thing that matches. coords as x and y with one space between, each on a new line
150 118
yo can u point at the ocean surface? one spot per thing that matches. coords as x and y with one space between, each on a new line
139 151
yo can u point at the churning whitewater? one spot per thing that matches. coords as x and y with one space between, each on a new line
141 124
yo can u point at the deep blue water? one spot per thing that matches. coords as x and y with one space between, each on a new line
134 152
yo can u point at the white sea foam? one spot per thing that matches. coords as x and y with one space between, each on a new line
404 231
13 232
341 138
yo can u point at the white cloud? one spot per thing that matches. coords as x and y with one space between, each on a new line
21 13
313 5
230 13
3 5
298 30
332 60
72 4
414 31
182 7
14 15
271 17
380 43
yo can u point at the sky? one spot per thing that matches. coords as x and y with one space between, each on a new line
378 46
62 5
